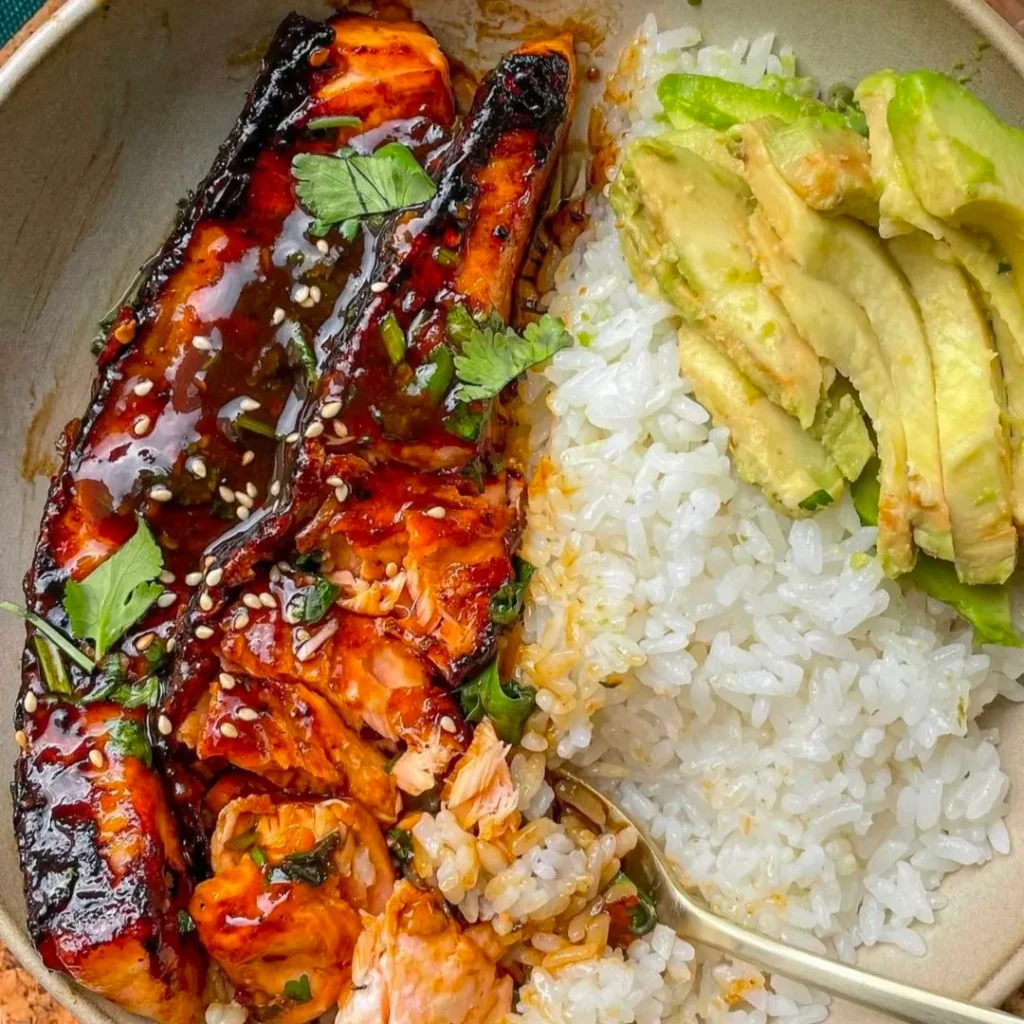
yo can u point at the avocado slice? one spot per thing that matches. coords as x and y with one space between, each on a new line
843 253
686 222
989 609
972 443
827 166
966 166
713 146
720 104
839 426
769 448
839 331
901 211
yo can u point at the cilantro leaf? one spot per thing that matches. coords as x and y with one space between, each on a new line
507 602
312 866
492 358
298 990
310 604
54 635
350 186
819 499
117 593
128 738
507 705
143 694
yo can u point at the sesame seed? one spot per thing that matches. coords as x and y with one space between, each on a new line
143 388
204 632
378 286
267 599
247 456
141 425
391 570
248 714
292 437
315 294
302 635
275 488
437 512
31 702
243 499
228 730
447 723
163 726
315 429
335 481
21 739
227 681
284 566
160 493
167 577
226 493
193 579
322 246
277 316
202 343
96 758
340 429
330 409
166 599
250 489
214 576
275 574
251 601
247 404
301 293
144 642
196 467
240 621
242 512
205 601
341 493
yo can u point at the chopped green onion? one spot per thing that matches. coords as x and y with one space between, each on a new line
446 257
242 841
317 124
465 422
394 338
52 665
298 990
256 426
258 856
52 634
302 352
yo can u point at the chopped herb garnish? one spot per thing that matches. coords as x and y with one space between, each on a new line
507 602
507 705
446 257
185 923
460 325
1004 267
259 858
255 426
491 358
51 665
644 916
399 842
128 738
464 421
819 499
243 840
117 593
52 634
312 867
317 124
302 354
298 990
350 186
310 604
433 378
394 337
143 694
308 561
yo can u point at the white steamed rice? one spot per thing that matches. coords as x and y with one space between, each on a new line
799 734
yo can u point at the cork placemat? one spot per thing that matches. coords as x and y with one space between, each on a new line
22 1001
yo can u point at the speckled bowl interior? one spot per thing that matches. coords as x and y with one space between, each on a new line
113 110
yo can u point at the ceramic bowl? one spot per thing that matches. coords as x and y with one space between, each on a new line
113 110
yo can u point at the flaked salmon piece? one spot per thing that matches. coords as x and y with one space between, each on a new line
480 791
291 736
281 914
414 965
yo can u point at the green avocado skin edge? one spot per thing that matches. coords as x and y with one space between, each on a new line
987 608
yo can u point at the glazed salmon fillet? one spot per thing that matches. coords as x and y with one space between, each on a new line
197 374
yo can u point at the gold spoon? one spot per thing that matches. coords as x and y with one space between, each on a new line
695 923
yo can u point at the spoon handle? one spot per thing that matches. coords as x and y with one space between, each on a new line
904 1002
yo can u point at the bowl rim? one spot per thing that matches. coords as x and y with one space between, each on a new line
86 1005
